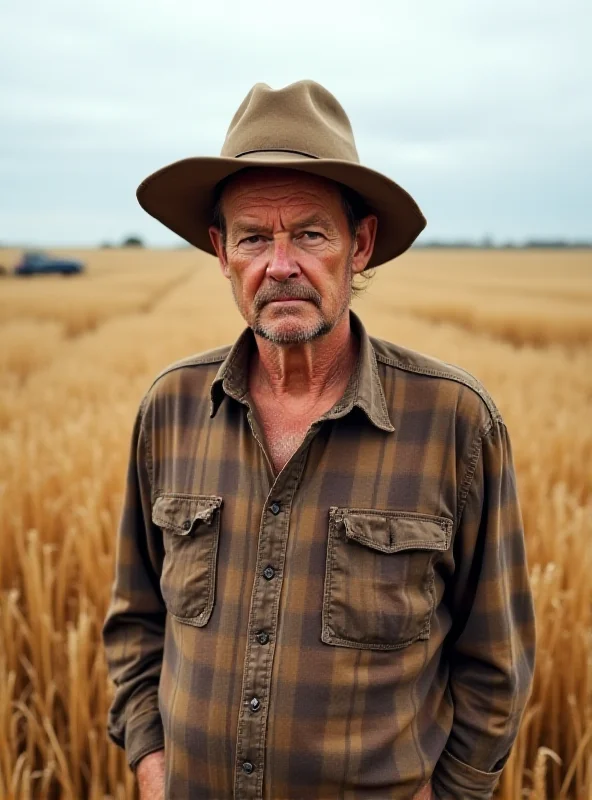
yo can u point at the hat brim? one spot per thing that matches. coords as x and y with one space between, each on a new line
181 194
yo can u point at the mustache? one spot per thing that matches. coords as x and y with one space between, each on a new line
285 291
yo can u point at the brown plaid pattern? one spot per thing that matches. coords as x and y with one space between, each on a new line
349 628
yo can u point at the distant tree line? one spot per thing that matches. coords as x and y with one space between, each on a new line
129 241
487 243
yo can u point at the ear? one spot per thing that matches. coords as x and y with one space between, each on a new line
218 244
364 243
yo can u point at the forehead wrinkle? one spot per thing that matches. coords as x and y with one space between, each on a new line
253 225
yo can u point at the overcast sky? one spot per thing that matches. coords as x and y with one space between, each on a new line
482 109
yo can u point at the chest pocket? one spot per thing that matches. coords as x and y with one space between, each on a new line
190 527
379 579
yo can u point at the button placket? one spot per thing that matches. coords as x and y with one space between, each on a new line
263 619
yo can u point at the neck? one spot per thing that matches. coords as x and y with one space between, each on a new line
306 370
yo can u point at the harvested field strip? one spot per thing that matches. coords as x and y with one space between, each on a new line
498 302
541 324
31 343
83 303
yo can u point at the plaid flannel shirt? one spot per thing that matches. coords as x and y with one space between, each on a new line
351 627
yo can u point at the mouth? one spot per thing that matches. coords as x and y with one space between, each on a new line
288 300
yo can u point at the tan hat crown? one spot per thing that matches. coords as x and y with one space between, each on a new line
303 118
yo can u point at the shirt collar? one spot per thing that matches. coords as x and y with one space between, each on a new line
364 390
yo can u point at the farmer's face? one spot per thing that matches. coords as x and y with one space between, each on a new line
289 253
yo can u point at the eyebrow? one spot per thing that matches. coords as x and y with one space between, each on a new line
251 228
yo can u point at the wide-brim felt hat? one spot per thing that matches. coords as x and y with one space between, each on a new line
301 127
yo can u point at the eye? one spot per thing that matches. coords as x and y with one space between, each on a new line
255 239
312 236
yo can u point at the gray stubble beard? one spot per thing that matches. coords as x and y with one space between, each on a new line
322 328
301 337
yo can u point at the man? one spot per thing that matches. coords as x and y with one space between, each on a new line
321 585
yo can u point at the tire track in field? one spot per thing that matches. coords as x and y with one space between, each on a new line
159 295
19 374
514 330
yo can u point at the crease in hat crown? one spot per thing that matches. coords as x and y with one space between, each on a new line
303 118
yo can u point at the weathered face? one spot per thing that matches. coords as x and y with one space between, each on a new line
289 253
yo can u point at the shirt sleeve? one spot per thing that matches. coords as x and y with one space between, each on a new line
492 642
133 632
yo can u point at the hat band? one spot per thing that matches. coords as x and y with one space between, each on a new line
277 150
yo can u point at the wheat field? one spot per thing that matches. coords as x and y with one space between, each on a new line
77 354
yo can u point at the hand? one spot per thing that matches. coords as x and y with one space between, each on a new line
150 776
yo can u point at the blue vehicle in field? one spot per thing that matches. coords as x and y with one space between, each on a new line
36 263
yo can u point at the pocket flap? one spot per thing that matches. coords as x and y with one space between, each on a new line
392 531
179 513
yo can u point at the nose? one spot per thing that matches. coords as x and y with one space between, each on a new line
282 264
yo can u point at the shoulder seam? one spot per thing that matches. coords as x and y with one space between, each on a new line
465 485
190 361
475 454
469 382
147 444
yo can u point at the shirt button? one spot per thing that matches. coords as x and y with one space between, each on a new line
255 704
275 509
248 767
262 637
187 525
268 573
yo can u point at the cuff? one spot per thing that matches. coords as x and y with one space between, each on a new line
144 734
453 780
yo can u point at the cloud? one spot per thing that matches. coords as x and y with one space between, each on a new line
482 110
